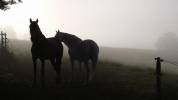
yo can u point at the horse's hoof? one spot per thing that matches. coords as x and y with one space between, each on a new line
58 86
34 85
86 84
58 81
90 78
81 81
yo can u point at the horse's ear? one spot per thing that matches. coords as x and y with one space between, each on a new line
58 31
37 20
30 20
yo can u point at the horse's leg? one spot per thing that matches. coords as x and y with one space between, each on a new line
34 71
55 65
80 66
58 70
88 71
80 69
72 65
43 73
94 62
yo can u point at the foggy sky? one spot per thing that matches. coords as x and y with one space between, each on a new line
114 23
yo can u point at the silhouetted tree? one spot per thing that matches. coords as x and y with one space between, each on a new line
4 5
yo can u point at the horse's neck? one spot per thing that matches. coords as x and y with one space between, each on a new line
40 39
71 41
71 45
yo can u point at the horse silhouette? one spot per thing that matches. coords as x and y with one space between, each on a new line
45 49
80 50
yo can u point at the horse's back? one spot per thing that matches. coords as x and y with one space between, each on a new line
90 43
46 50
89 49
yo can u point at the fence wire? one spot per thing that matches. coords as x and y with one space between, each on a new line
171 62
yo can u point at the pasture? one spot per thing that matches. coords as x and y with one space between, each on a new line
111 81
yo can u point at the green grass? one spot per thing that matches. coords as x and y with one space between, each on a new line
112 81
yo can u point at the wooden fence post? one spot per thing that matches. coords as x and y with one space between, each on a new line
158 77
2 40
5 40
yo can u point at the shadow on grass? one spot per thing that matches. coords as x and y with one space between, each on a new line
112 81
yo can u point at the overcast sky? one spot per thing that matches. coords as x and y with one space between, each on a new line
114 23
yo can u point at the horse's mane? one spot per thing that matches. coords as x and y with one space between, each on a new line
70 38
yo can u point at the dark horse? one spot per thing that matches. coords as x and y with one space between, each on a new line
45 48
80 50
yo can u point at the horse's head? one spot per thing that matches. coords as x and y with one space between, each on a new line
34 26
35 31
59 35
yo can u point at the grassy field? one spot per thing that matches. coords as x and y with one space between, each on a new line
112 81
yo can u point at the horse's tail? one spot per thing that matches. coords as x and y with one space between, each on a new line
61 50
93 50
95 53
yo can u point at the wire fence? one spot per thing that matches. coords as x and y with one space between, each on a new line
170 62
159 74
